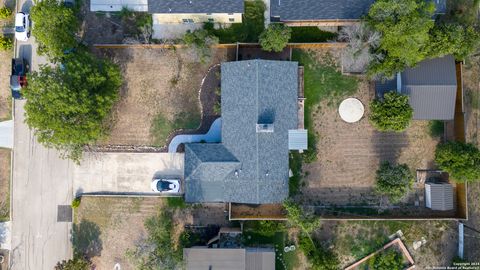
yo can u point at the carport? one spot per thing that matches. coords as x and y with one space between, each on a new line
124 173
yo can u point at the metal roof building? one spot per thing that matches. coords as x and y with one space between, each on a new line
202 258
251 165
431 87
439 196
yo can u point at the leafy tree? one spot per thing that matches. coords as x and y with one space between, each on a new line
460 160
78 263
275 37
297 217
55 27
319 257
453 38
159 252
5 12
266 227
199 43
6 43
393 181
387 260
393 113
67 104
404 26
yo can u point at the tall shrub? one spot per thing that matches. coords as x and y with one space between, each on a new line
460 160
393 113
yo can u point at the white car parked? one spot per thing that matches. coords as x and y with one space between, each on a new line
166 185
22 26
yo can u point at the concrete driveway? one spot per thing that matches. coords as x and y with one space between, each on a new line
124 173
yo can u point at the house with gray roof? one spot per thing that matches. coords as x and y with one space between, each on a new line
431 87
173 12
326 12
259 112
196 11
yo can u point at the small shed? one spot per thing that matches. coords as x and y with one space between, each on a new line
439 196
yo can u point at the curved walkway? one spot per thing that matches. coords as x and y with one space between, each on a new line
214 135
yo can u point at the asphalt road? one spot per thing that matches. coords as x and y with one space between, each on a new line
41 182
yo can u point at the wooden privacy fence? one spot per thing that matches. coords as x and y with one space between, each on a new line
226 46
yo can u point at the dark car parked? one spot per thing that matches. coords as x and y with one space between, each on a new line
18 79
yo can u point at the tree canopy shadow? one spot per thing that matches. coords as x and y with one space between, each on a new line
86 239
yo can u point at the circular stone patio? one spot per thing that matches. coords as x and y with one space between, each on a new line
351 110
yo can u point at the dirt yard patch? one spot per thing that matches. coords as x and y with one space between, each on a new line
354 240
107 228
471 86
160 94
5 95
4 184
349 154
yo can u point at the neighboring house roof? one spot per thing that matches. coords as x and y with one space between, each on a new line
259 107
439 196
260 259
303 10
214 258
431 87
202 258
195 6
317 10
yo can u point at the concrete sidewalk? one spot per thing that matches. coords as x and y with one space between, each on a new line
124 172
6 134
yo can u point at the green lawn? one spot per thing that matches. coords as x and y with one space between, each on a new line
295 162
321 82
283 261
161 127
302 34
247 31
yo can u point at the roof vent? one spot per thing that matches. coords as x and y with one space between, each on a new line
264 128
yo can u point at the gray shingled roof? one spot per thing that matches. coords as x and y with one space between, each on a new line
431 86
195 6
300 10
254 91
303 10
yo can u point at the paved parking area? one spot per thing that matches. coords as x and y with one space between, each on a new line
124 173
